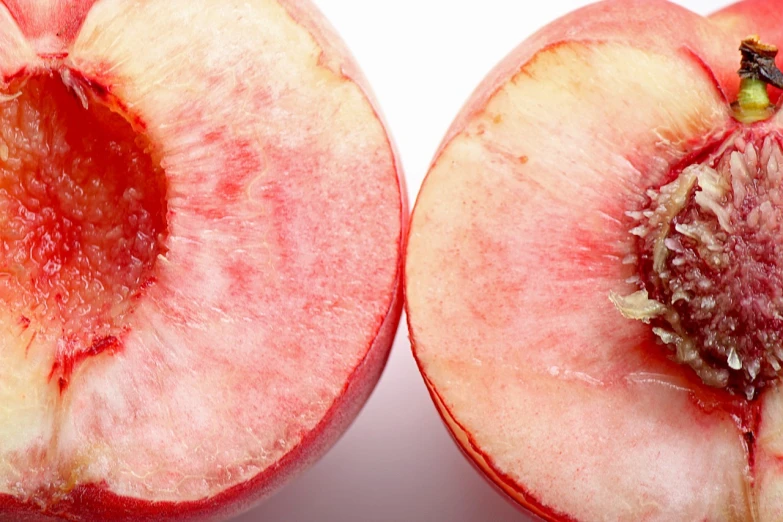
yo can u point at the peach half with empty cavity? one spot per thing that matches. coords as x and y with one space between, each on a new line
201 219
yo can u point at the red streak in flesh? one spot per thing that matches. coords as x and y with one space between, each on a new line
69 356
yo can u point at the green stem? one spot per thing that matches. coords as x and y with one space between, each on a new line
753 103
758 70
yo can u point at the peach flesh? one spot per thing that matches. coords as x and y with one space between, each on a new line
258 314
83 207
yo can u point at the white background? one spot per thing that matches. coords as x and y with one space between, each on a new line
397 463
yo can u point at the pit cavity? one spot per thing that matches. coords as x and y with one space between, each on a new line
709 253
82 214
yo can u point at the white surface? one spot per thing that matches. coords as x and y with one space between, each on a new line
397 463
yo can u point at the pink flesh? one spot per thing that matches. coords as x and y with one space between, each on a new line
260 322
518 237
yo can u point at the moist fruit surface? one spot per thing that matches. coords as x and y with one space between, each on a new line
592 273
200 250
708 255
84 216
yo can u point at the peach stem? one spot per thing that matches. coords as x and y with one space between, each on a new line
758 70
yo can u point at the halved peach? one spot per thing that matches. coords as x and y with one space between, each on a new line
201 220
593 271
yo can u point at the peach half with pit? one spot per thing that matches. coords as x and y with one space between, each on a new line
201 222
594 271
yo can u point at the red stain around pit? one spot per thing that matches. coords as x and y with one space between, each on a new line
15 76
699 150
94 86
70 355
147 283
711 402
747 415
54 56
98 85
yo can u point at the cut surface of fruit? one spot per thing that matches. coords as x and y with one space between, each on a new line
84 215
201 251
596 131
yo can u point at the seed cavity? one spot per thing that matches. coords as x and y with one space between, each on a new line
82 217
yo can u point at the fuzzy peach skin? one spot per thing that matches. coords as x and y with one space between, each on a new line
271 313
516 240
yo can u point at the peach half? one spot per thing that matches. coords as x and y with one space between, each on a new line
201 222
594 270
